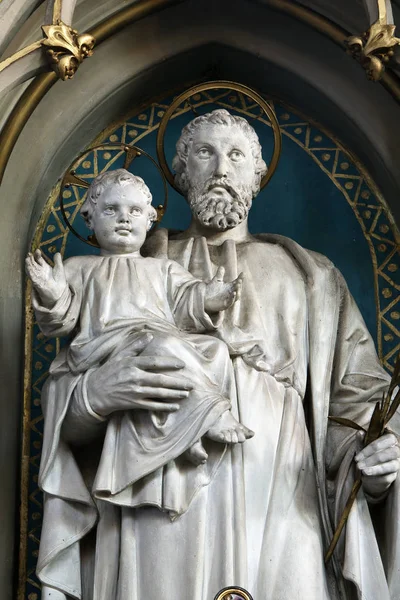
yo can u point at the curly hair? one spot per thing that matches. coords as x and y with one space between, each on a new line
107 179
216 117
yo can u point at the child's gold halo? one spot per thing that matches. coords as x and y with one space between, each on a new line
70 179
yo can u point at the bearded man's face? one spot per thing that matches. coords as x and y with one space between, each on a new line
220 175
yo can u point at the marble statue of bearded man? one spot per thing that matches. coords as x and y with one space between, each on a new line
300 351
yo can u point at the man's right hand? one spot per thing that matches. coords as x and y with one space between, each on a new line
151 383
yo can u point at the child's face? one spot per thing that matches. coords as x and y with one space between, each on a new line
120 219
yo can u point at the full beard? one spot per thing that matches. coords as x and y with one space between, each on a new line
216 212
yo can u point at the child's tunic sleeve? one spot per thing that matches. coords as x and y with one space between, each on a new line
186 296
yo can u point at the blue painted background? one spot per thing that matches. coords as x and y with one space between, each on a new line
301 201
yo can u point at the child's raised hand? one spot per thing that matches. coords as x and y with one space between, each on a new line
49 282
219 295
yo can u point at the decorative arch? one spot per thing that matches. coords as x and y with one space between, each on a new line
350 186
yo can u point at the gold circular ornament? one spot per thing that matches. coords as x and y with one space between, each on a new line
233 593
70 179
213 85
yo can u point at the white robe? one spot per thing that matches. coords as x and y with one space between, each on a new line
113 303
300 349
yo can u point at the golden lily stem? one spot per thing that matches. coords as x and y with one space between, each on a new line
343 520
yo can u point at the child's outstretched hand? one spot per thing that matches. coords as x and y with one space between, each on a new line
219 295
49 282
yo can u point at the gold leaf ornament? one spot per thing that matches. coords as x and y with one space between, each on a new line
66 49
381 37
374 49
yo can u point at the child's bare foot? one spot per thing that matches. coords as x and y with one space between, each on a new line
228 430
196 454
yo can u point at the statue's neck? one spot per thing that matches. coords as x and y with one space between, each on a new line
239 234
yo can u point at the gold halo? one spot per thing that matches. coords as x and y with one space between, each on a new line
233 590
227 85
71 179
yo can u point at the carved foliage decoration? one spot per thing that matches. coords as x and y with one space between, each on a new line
374 48
66 49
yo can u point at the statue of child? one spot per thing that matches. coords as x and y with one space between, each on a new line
112 301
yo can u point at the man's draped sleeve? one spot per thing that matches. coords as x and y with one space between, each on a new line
358 383
358 380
